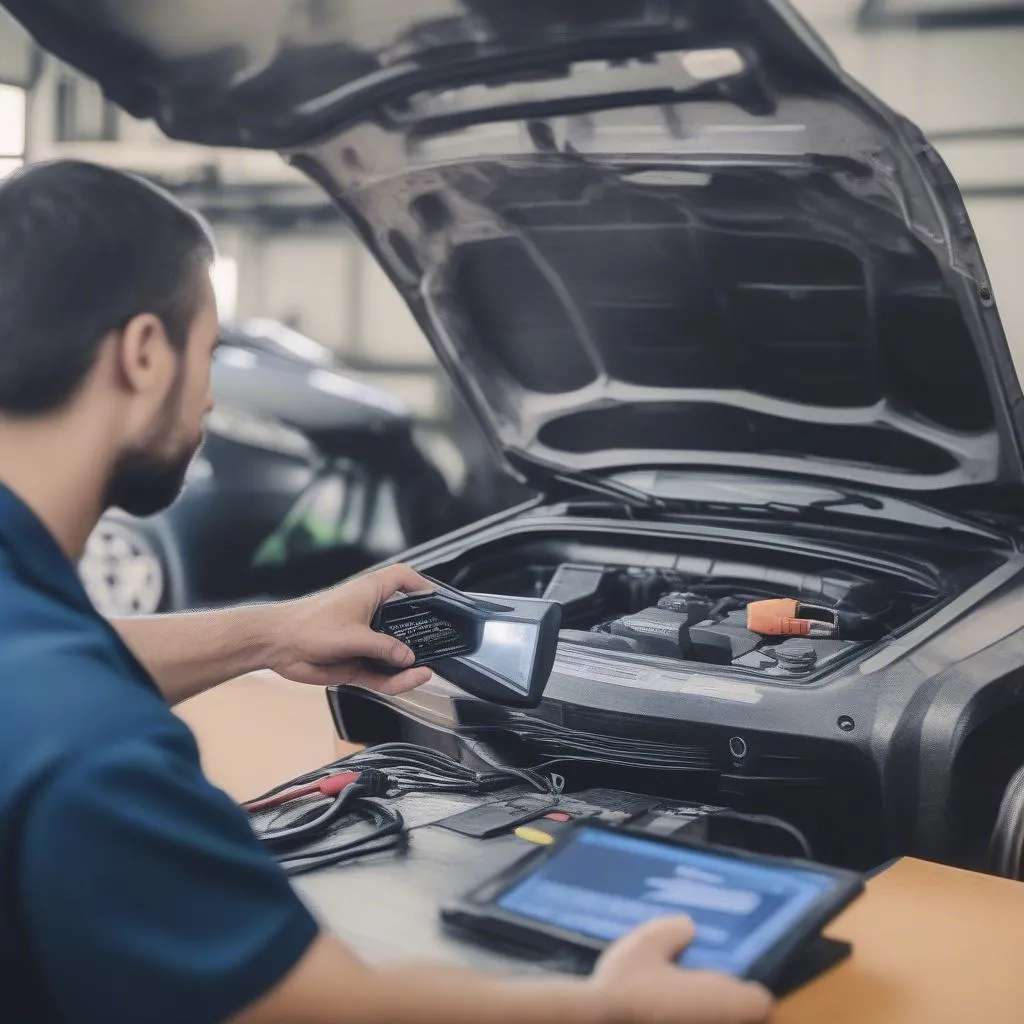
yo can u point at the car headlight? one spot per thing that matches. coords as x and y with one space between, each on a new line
258 432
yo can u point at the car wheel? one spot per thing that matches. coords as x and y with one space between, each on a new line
128 568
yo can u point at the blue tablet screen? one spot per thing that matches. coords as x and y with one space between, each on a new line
601 885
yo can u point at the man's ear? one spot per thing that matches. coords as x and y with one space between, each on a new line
144 355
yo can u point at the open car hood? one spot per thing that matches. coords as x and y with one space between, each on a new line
637 232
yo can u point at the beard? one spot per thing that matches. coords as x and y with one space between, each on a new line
143 484
146 480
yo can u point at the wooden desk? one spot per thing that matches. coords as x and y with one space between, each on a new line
932 945
260 730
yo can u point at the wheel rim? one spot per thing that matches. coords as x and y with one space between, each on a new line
121 571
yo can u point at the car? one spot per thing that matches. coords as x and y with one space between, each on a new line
725 313
306 475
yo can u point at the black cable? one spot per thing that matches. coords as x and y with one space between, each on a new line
389 832
769 821
448 766
411 768
301 867
309 809
383 819
592 747
554 784
387 770
304 831
397 769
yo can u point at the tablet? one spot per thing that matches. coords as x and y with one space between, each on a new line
751 913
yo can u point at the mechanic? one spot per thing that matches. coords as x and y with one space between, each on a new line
131 889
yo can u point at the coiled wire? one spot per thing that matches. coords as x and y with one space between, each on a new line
389 770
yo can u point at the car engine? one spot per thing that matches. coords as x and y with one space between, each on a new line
707 618
830 682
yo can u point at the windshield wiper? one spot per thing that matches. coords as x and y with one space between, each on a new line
618 492
823 511
845 498
637 499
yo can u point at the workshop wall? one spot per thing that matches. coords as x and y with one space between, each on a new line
965 89
323 283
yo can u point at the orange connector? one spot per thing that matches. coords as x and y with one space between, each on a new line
783 616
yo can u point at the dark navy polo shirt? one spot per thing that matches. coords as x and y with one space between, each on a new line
130 888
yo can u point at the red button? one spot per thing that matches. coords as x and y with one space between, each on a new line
558 816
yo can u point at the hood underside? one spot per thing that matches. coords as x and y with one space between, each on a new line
637 233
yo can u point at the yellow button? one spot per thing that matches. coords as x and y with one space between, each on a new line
534 835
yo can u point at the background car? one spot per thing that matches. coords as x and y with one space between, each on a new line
306 476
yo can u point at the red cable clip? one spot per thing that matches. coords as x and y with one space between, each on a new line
332 785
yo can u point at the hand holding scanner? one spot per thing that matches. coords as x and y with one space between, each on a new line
497 648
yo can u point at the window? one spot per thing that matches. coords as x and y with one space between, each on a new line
83 114
224 278
12 129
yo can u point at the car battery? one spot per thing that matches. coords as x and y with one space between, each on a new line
719 643
658 632
692 606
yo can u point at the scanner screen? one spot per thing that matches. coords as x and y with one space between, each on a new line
601 885
507 650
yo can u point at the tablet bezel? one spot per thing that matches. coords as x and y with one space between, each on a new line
478 913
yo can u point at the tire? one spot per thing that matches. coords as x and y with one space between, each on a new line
133 567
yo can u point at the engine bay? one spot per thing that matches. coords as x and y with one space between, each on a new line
709 621
717 613
662 687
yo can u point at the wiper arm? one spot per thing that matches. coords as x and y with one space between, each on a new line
618 492
845 498
543 474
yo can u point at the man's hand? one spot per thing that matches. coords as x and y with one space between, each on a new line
639 979
325 639
635 982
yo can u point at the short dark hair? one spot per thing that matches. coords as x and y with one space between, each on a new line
83 250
